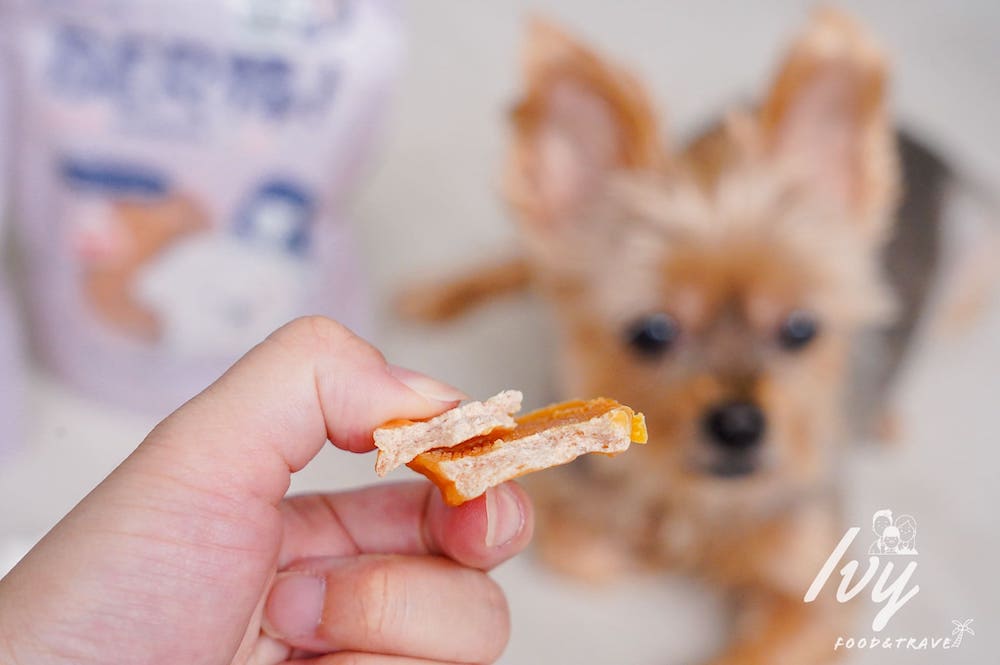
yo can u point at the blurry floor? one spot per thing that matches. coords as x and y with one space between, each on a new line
435 191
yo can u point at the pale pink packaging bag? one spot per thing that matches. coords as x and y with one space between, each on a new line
182 172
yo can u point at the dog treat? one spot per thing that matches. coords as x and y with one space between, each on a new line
399 441
555 435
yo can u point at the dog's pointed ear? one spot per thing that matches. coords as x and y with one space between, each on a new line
826 116
580 119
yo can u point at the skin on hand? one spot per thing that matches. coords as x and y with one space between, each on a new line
189 553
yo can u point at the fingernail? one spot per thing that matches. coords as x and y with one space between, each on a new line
426 386
504 519
295 605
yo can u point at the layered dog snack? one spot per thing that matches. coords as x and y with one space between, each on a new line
555 435
399 441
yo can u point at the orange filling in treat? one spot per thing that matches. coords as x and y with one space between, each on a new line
553 435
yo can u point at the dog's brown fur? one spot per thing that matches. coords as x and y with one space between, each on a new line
782 208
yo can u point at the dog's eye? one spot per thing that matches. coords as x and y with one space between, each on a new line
798 330
652 335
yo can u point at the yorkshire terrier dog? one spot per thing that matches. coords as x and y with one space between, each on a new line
722 290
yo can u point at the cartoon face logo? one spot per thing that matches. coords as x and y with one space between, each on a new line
277 216
890 540
880 520
219 293
893 536
907 531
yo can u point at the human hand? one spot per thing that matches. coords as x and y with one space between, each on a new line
188 553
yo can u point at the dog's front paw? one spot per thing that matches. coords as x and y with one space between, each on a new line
584 556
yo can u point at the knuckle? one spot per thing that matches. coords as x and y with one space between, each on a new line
348 658
496 603
311 330
318 334
381 597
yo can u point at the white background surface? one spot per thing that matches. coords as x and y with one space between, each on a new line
432 204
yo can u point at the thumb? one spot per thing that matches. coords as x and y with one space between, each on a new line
310 381
169 558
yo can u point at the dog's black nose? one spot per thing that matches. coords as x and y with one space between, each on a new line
736 425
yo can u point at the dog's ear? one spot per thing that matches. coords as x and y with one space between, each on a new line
580 119
826 118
